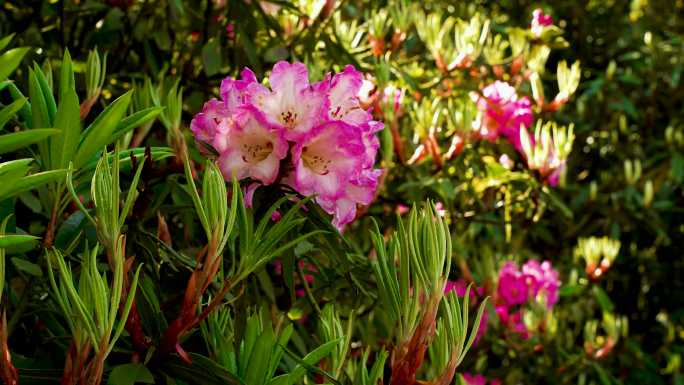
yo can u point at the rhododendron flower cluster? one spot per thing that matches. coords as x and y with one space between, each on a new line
315 138
535 282
503 113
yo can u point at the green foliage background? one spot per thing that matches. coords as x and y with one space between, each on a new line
629 108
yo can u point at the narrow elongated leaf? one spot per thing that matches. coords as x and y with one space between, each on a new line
99 133
30 182
258 361
40 117
67 83
17 140
48 96
136 120
7 240
10 60
307 363
157 153
5 41
9 111
14 169
25 111
68 121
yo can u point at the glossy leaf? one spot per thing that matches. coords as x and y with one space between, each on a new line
9 240
10 60
63 146
99 133
21 139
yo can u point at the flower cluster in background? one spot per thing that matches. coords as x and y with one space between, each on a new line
315 138
504 113
536 283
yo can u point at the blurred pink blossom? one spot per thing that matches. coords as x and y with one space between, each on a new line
503 113
539 21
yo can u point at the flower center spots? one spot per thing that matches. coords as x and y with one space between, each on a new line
315 163
337 112
288 118
256 152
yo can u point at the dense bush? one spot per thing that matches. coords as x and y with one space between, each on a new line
392 192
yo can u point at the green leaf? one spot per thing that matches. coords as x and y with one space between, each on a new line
307 363
136 120
570 290
27 267
258 360
14 169
8 240
25 111
21 139
10 60
557 202
5 41
68 121
129 374
157 153
40 114
67 83
99 133
8 112
48 96
603 300
202 370
30 182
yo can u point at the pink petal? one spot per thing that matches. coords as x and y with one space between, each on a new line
204 124
333 153
236 92
253 148
286 77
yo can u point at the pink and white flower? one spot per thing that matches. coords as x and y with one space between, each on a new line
292 103
360 191
251 148
234 93
327 159
206 124
343 90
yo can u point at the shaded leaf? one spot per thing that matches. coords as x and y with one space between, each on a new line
129 374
